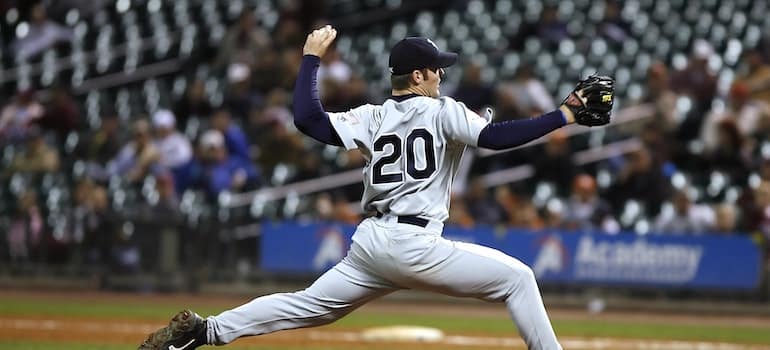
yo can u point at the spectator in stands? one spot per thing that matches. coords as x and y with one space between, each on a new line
244 42
43 33
234 137
168 195
288 33
334 69
220 171
763 168
274 142
323 208
309 166
458 213
99 147
240 98
26 230
642 179
481 206
726 218
345 211
657 141
585 210
194 104
525 96
761 134
91 222
685 217
264 77
291 59
730 153
755 206
38 157
659 94
61 113
356 93
18 115
505 103
175 151
555 164
125 254
549 29
330 207
553 213
473 91
755 74
699 83
332 95
136 159
742 110
613 27
519 210
758 220
343 94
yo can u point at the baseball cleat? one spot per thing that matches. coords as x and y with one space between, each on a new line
185 331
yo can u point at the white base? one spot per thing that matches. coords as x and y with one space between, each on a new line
403 333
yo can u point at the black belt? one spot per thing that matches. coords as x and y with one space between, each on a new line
409 219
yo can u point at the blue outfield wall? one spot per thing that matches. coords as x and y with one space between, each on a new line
707 262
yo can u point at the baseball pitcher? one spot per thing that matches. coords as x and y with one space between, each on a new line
413 143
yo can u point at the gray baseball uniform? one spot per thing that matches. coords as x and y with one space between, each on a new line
413 148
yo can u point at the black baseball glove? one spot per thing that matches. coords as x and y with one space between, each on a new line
591 100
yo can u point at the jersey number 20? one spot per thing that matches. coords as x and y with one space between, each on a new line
395 141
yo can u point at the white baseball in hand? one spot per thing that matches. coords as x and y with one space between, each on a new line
319 40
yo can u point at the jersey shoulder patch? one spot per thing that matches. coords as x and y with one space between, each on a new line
349 118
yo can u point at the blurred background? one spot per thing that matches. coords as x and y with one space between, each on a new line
149 145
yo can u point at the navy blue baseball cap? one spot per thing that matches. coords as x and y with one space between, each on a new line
418 53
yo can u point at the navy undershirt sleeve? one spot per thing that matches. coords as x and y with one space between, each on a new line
512 133
309 114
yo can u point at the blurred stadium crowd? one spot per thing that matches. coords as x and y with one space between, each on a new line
112 110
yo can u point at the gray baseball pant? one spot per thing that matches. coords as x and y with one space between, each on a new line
386 256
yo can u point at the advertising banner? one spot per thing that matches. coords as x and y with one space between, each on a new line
710 262
303 248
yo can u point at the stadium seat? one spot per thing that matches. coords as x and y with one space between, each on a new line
543 63
18 184
717 36
628 52
662 50
609 64
544 191
757 11
502 10
57 197
149 191
71 143
9 151
737 25
575 66
492 39
643 226
469 48
632 212
597 52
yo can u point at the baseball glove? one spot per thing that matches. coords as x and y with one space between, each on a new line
591 100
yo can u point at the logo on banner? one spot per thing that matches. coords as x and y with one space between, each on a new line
636 261
552 256
331 250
